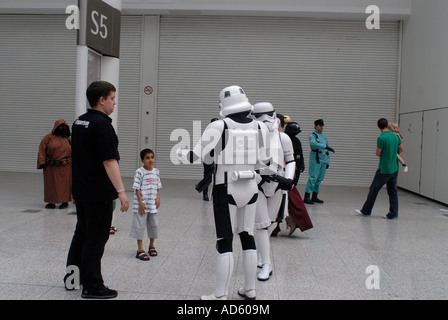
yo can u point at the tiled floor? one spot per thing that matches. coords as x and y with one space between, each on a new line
326 262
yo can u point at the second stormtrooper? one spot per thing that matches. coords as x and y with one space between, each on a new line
280 151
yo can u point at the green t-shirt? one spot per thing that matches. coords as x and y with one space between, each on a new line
388 142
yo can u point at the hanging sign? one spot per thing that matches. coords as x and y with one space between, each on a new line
102 27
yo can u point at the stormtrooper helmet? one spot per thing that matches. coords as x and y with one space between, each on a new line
264 112
233 100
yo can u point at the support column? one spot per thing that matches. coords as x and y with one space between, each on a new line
81 80
110 70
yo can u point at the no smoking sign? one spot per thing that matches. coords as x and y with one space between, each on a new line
148 90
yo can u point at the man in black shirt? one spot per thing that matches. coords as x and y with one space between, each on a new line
96 183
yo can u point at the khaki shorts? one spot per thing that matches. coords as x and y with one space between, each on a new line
140 222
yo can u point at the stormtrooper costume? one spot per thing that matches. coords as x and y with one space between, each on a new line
270 193
237 141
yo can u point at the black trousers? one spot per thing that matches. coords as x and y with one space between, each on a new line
90 237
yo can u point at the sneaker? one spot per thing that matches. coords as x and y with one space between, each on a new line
265 273
248 295
213 297
386 216
103 293
359 213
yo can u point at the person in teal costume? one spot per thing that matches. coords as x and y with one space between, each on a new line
319 162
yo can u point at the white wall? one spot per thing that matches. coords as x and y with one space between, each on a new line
424 96
391 10
424 79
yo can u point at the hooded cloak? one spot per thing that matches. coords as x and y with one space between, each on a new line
54 157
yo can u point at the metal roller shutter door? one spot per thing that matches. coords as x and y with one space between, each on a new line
335 70
38 69
38 63
129 94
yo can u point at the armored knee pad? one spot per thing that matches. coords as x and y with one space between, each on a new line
224 245
247 241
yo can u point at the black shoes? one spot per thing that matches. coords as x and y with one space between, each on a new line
311 199
102 293
307 199
315 199
53 206
63 205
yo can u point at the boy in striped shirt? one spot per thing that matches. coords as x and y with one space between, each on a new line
146 202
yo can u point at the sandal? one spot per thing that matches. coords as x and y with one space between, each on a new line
142 256
152 252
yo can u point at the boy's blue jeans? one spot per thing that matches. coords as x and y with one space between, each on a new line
378 182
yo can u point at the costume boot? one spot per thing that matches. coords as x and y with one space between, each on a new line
264 250
224 269
276 229
291 224
307 199
315 198
250 273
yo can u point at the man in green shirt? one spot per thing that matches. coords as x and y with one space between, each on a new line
388 145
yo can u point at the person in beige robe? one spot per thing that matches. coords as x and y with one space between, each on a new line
54 157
